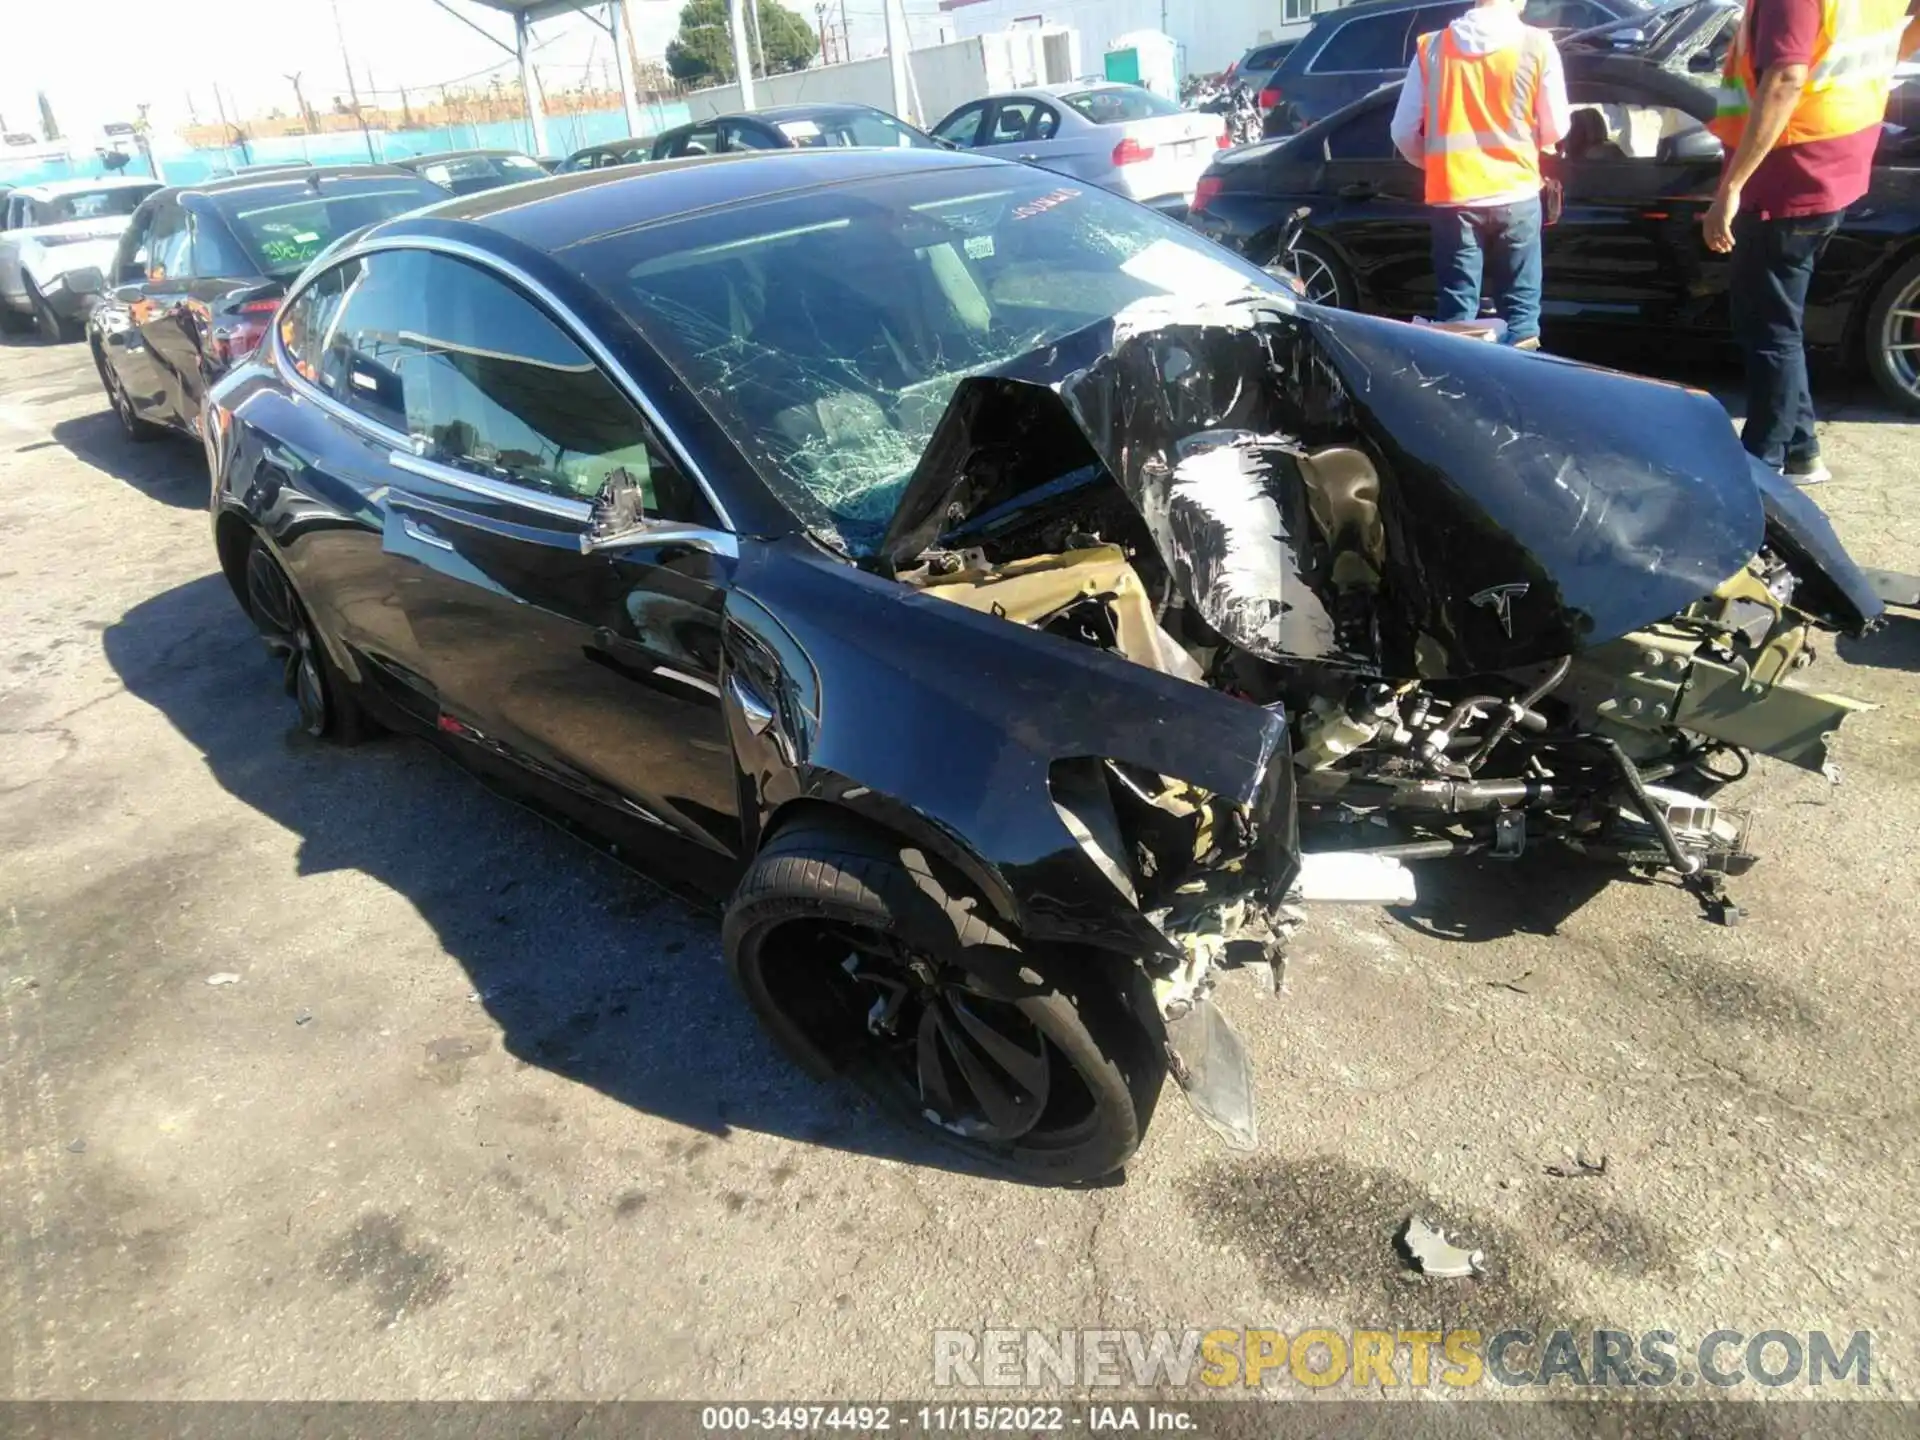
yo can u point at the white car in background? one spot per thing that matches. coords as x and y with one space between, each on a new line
55 228
1120 137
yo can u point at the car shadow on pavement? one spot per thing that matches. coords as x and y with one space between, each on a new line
589 971
1477 899
1894 646
169 470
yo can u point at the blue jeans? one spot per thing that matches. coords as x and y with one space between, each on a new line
1505 241
1767 293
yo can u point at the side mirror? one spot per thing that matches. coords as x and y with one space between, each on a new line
1695 147
87 280
943 142
620 522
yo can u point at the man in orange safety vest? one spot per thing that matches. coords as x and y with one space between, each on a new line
1802 96
1482 99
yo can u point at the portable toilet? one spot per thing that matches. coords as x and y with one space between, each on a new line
1145 57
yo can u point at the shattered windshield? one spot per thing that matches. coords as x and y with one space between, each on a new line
827 329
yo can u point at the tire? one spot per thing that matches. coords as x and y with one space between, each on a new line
1323 273
47 323
131 425
326 705
1893 322
860 956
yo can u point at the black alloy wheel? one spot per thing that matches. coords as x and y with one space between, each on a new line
858 958
326 710
1892 335
47 323
131 425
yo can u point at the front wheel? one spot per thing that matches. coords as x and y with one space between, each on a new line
1892 337
131 425
46 320
852 951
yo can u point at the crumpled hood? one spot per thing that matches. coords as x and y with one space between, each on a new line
1484 508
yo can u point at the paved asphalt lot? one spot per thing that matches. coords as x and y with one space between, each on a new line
481 1117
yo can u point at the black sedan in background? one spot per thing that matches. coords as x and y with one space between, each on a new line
634 150
200 272
466 172
1639 169
793 127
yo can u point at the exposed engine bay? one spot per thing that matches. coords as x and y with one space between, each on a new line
1588 669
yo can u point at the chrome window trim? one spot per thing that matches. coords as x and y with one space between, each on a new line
569 323
506 492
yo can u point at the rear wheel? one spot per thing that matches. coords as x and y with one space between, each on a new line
131 425
854 952
1893 336
327 709
1321 271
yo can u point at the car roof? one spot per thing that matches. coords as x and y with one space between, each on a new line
435 156
54 189
803 112
586 205
293 178
621 144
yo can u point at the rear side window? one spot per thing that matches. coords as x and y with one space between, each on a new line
284 226
480 378
1120 104
1267 57
1366 136
214 251
963 126
1425 22
1378 42
702 141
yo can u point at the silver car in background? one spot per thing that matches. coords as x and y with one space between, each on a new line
1120 137
54 228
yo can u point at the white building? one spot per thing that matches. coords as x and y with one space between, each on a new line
1211 33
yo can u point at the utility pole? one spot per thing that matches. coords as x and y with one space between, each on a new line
742 64
846 35
353 93
753 19
897 50
300 99
820 21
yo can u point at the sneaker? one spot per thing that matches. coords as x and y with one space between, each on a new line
1811 471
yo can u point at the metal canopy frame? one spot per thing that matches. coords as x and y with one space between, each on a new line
525 15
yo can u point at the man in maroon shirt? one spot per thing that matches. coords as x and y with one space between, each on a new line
1778 205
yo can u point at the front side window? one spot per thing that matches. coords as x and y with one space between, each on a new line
749 137
214 252
826 331
963 126
869 129
170 249
478 377
702 140
130 261
1377 42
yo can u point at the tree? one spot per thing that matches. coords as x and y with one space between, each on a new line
702 53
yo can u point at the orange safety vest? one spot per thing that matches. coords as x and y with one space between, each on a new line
1849 75
1479 121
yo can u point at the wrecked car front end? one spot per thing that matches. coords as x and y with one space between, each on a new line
1337 594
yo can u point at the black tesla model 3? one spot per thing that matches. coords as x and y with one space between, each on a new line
964 573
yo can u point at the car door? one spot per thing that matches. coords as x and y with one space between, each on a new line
1032 131
597 670
1371 206
1637 173
116 319
162 311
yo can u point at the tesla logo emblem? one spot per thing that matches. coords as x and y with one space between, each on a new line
1499 599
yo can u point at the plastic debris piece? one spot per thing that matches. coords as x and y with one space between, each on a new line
1579 1167
78 1147
303 1017
1435 1255
225 977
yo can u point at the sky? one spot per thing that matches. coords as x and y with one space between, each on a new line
171 54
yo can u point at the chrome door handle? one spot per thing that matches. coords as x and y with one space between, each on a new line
416 531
